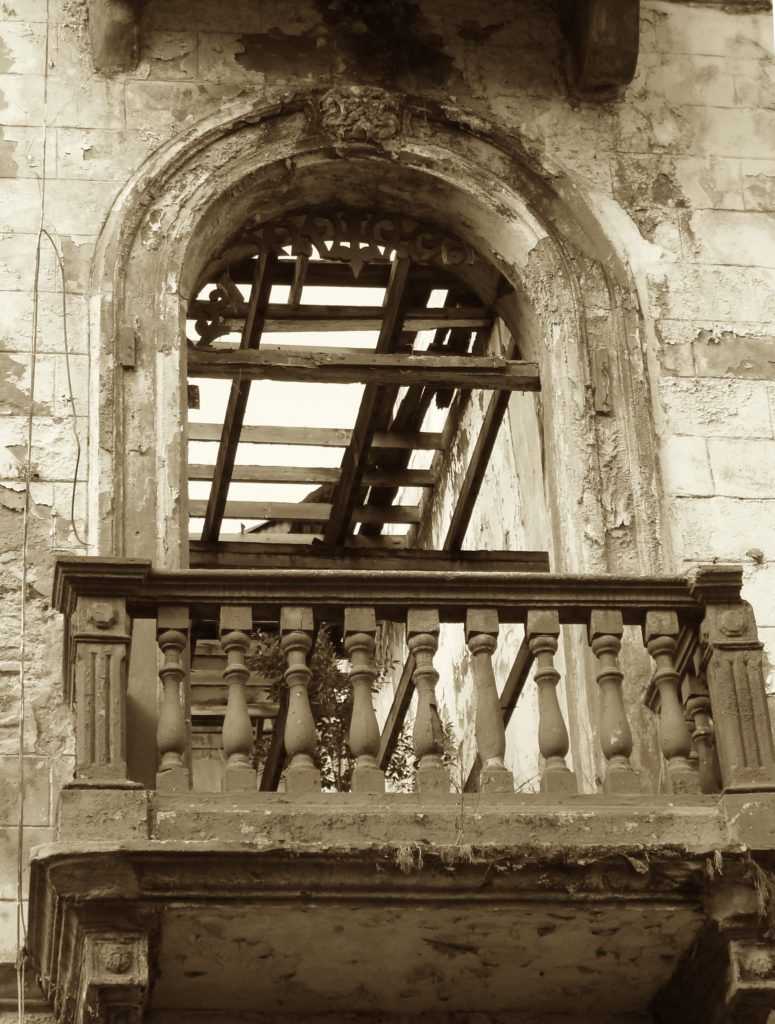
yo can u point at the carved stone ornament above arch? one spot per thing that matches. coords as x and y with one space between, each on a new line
572 296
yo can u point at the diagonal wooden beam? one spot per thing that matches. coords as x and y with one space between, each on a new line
238 397
354 459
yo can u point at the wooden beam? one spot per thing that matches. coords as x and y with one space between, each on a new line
394 722
354 458
308 511
330 274
322 437
238 398
605 38
275 758
352 366
320 556
316 475
287 318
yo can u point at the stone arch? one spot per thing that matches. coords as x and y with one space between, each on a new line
573 296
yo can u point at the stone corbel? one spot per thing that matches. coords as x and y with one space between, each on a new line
114 979
114 31
605 37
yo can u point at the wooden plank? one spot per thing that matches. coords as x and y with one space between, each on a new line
238 398
282 319
275 759
316 475
354 459
322 437
352 366
320 556
247 550
308 511
477 465
329 274
394 722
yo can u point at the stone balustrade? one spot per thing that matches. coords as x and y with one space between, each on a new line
706 690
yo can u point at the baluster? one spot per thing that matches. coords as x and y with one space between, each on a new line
296 628
605 638
660 634
236 625
482 639
422 630
697 702
542 631
360 628
172 629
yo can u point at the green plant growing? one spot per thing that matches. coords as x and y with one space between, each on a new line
331 702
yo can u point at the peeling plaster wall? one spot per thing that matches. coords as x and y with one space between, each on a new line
679 168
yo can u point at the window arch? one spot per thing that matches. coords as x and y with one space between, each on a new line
571 296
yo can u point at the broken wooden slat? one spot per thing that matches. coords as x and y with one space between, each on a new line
283 319
322 437
346 366
316 475
238 398
308 511
354 459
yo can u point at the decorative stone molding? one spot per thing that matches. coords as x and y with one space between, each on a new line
114 978
360 113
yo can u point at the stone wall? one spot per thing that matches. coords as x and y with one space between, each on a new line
679 169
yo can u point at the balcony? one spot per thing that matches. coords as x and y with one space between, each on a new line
158 901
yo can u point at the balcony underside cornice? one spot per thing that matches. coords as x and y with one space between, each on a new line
341 902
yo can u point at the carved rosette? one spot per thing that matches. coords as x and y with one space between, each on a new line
365 114
114 978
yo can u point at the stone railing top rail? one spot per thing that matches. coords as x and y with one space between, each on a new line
451 590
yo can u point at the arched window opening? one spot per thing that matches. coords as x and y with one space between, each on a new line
330 358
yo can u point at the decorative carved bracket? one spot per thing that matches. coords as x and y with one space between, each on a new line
605 37
114 31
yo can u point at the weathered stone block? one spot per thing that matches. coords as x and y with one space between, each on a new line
743 468
71 205
735 237
302 779
239 780
700 30
686 467
22 99
559 782
495 780
621 780
368 780
716 408
432 778
99 106
104 814
709 181
727 353
8 852
699 80
758 184
37 790
746 525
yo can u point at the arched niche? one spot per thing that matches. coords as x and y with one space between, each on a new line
572 302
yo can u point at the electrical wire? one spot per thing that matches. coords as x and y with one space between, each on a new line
21 924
